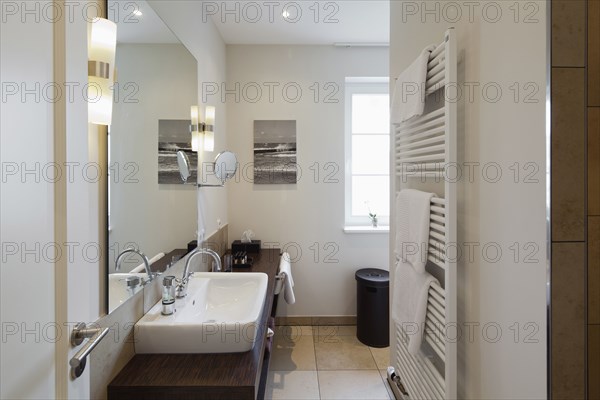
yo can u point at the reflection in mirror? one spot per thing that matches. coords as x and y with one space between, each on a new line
157 79
225 165
184 165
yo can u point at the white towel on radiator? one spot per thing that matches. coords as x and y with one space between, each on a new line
409 91
411 281
412 227
285 268
409 307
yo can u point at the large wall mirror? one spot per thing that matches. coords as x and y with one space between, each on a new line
157 82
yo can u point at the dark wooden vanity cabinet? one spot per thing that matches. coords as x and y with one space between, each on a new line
204 376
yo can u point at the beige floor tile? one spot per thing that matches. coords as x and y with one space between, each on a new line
293 353
381 356
342 353
293 331
335 330
348 385
292 385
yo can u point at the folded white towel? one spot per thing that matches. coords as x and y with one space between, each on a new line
285 268
409 91
409 306
412 227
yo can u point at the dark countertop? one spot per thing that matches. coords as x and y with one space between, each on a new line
201 376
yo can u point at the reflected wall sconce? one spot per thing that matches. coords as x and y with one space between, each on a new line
101 68
203 133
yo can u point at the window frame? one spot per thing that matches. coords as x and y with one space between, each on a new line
362 85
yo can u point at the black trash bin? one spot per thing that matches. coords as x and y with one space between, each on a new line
373 307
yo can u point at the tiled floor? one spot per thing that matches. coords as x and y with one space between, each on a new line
325 362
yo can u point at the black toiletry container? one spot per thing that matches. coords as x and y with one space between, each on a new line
192 245
373 307
251 248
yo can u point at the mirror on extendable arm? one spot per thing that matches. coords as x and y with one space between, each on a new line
225 166
183 162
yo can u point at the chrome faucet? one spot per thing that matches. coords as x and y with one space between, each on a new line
181 290
142 255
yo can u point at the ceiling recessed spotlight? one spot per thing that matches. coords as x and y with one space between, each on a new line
138 13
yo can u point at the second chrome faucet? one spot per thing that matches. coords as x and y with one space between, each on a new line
181 290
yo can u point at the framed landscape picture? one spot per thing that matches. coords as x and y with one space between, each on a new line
275 152
174 135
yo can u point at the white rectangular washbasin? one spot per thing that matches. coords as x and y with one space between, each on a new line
220 314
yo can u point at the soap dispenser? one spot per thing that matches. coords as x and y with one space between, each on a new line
168 297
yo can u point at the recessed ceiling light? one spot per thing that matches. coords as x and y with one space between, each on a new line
138 13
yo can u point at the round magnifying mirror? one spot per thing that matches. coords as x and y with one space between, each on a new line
225 165
183 162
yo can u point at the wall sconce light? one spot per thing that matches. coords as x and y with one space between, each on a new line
203 133
101 66
195 128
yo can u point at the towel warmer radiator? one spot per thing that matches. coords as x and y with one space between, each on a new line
425 147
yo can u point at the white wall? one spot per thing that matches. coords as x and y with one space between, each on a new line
307 218
495 51
205 43
159 218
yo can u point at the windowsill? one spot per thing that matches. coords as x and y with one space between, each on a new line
366 229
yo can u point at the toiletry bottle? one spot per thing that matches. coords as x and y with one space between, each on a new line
168 297
228 263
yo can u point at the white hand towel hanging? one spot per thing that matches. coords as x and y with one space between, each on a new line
285 268
409 307
409 91
411 282
412 227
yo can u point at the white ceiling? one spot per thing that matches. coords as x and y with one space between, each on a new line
144 28
353 21
255 22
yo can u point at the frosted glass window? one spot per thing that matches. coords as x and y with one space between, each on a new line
370 154
373 191
370 113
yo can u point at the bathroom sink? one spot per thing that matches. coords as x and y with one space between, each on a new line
220 314
119 290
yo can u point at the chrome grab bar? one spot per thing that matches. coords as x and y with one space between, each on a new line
80 332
